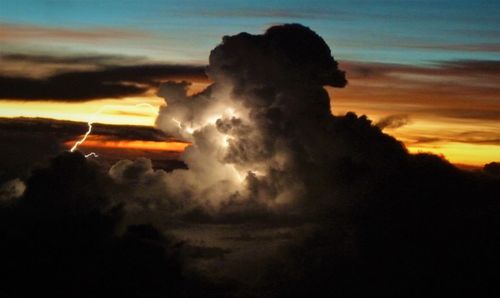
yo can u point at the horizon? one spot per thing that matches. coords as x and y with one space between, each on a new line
430 65
241 149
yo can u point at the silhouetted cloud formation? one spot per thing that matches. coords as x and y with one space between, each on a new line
318 205
393 121
65 236
493 168
61 238
106 82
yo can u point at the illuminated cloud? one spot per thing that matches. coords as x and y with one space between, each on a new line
267 94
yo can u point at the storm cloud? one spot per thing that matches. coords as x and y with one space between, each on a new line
393 121
318 205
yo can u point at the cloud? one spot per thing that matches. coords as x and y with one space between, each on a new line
11 190
43 65
291 47
410 232
107 82
243 126
441 92
69 130
264 145
492 168
467 137
475 47
366 217
29 141
65 236
270 13
10 32
40 59
393 121
359 69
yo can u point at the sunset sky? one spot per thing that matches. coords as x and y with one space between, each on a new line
223 149
427 72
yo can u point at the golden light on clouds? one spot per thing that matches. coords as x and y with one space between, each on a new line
465 141
460 153
468 140
121 112
96 142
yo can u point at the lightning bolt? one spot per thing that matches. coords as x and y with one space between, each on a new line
179 124
92 120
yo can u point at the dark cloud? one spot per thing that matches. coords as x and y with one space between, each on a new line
386 223
284 54
61 237
43 59
69 130
467 137
426 230
28 141
43 65
444 91
68 59
492 168
393 121
106 82
470 68
66 236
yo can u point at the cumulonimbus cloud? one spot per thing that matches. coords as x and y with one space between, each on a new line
265 148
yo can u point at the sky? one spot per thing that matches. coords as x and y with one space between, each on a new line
244 149
434 63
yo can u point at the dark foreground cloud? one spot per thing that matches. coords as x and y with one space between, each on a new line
337 208
105 82
65 236
62 238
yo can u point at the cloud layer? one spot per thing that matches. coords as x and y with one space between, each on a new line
355 214
105 82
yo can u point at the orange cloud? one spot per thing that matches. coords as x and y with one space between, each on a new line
97 142
453 106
